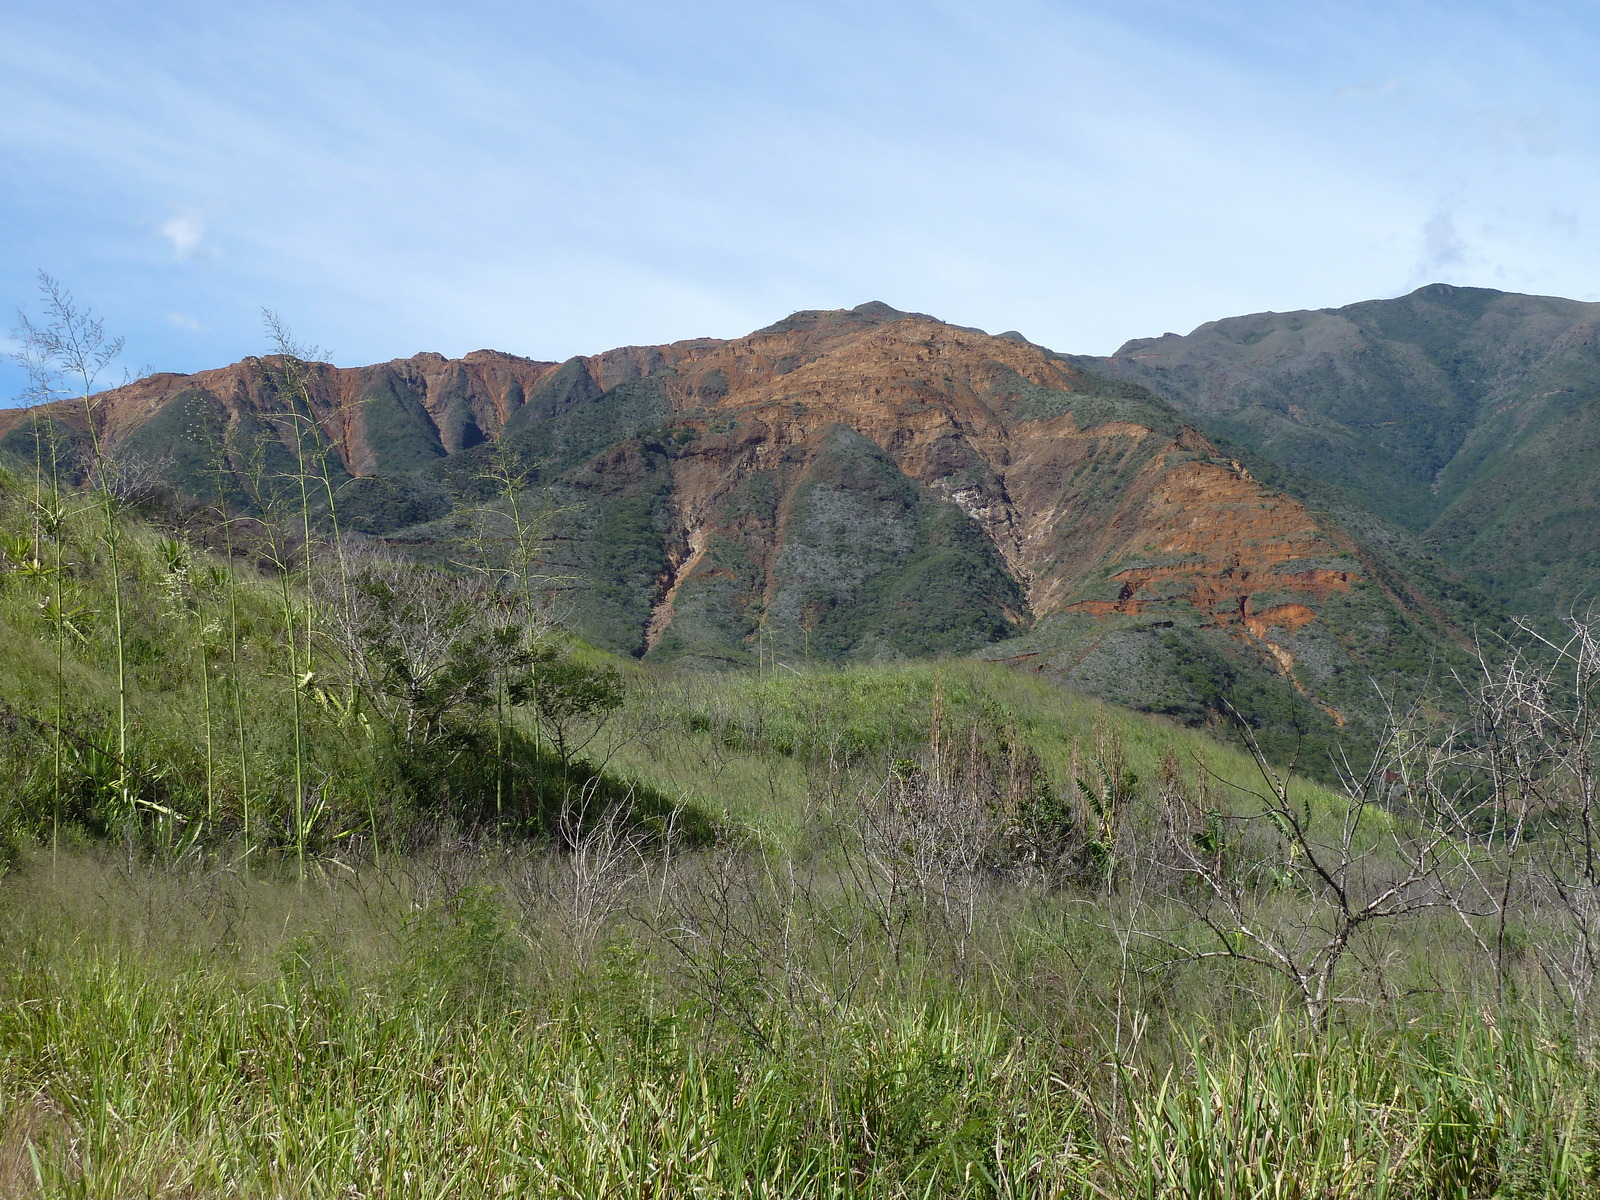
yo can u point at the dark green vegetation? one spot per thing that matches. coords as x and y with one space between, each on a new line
289 688
326 871
1469 416
1103 398
1363 655
871 566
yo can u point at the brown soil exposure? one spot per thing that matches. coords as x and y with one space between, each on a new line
1114 518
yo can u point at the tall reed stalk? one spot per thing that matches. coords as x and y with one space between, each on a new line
292 373
216 441
511 564
48 517
67 354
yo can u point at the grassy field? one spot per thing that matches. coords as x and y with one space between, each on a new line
316 881
449 1026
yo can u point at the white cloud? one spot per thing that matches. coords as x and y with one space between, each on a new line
1443 249
185 322
1367 91
185 230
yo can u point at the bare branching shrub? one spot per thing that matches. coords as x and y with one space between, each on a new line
443 862
422 644
598 864
1537 757
1290 890
125 477
721 915
925 835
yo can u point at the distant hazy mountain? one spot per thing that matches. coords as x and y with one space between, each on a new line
1470 416
853 484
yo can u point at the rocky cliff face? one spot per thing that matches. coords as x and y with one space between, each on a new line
844 484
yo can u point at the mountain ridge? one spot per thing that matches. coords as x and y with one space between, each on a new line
844 484
1469 415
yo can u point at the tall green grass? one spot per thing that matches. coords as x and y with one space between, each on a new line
424 1033
916 929
219 727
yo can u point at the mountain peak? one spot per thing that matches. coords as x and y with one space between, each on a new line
1446 290
1463 413
880 310
828 320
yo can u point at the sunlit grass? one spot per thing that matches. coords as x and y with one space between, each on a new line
441 999
197 1032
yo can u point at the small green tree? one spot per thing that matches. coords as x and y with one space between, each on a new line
573 700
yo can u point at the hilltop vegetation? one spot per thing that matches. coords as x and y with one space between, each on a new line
1465 414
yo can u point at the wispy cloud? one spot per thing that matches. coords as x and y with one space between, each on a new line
1367 91
1521 133
185 232
558 178
1443 249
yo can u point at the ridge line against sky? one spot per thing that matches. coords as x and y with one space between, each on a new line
562 178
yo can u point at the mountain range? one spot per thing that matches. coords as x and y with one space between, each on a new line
1267 516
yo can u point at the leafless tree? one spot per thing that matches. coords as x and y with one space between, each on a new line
721 915
1294 889
924 835
126 478
1539 716
600 861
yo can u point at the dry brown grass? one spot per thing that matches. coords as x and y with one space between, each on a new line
30 1125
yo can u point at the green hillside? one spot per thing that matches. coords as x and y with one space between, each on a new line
244 714
1464 414
303 842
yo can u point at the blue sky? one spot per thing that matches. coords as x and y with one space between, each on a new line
558 178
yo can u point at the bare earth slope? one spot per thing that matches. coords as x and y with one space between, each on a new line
853 484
